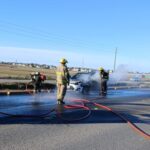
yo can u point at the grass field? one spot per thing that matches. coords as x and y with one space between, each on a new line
20 72
16 77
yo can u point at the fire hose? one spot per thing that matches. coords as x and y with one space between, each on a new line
28 116
131 124
84 107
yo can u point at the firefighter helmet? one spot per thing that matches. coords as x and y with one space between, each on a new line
101 69
63 61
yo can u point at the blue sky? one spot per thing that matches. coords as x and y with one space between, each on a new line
86 32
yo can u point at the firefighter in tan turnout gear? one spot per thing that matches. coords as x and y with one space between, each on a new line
62 78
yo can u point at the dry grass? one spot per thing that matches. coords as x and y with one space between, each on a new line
19 72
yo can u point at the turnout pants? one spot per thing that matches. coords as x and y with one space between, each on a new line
61 91
37 86
103 87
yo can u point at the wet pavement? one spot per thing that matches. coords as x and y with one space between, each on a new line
127 102
134 104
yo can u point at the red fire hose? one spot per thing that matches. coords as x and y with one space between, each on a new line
82 106
131 124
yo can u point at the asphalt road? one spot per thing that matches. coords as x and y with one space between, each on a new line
102 130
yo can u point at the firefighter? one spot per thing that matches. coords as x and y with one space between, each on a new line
104 76
62 79
36 81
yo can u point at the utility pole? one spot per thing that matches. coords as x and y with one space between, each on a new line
115 59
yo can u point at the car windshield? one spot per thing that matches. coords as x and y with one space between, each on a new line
80 75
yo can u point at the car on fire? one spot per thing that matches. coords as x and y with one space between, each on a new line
81 82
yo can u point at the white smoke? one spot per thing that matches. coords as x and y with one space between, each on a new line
120 75
84 77
88 77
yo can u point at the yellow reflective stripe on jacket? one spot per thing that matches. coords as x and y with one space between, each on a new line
59 73
61 78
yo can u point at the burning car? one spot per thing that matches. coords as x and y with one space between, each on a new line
81 82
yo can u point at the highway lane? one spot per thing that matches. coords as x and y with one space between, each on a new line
102 130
